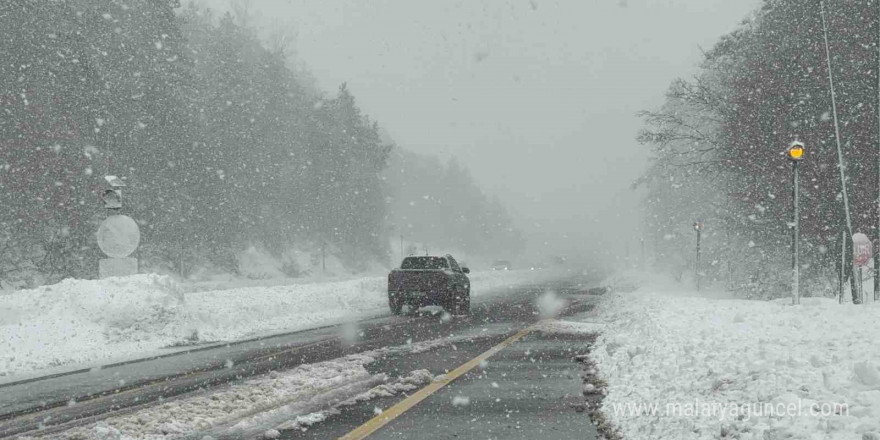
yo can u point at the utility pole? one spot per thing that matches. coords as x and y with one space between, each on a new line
877 233
841 163
795 154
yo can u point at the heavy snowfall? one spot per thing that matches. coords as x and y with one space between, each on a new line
284 219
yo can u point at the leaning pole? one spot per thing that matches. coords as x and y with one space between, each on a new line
841 164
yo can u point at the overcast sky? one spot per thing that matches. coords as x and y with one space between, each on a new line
537 97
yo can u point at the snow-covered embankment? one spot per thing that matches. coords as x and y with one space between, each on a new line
687 367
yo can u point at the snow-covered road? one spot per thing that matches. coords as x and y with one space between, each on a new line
249 409
296 383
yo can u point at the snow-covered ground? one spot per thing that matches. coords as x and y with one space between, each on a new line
82 323
681 365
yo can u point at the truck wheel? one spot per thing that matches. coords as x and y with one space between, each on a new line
396 306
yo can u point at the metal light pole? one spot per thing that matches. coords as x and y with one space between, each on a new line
795 154
842 267
698 226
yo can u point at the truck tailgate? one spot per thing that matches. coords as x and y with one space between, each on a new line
417 281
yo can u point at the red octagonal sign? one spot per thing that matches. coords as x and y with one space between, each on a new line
862 249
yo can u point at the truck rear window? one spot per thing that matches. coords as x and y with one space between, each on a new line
424 263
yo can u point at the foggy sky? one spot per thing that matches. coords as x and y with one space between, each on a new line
537 97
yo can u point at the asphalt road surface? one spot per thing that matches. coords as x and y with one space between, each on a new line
529 389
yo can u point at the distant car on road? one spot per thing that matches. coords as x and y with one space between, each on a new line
430 280
501 265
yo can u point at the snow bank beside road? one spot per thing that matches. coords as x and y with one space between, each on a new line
745 369
78 321
88 322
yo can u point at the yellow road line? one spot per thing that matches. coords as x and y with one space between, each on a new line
401 407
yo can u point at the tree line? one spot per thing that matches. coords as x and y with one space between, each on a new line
440 204
718 145
222 143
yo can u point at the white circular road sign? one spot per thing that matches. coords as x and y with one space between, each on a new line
118 236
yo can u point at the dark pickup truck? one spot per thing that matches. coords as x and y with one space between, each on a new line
430 281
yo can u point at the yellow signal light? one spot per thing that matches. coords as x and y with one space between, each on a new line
796 151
